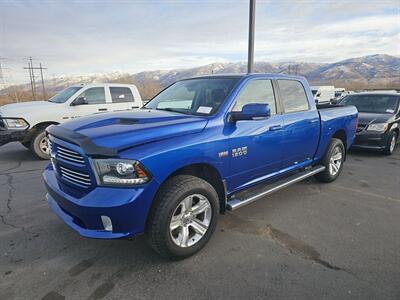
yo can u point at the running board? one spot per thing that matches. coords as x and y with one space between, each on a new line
248 196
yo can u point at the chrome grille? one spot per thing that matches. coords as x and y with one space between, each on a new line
75 176
70 155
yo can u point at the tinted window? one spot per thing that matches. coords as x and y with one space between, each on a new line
372 103
121 94
94 95
64 95
294 97
257 91
194 96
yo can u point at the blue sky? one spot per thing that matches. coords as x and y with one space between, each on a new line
81 37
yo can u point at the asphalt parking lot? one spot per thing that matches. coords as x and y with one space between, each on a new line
310 241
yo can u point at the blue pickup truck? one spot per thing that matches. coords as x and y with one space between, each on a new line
200 147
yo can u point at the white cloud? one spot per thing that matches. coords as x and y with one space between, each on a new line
85 37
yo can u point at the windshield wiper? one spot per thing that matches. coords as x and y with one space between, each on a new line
171 109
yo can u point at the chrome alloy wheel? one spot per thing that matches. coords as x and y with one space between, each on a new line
335 161
190 220
392 144
44 146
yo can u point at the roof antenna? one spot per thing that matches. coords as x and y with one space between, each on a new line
250 58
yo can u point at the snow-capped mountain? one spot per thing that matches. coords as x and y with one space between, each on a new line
375 71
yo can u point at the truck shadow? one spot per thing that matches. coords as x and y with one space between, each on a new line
15 152
371 153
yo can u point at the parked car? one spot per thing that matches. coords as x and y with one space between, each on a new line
26 122
379 118
201 146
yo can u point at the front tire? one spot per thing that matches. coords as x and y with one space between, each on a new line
333 161
39 144
183 217
390 144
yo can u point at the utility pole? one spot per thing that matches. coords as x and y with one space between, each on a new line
250 58
41 75
32 69
31 77
2 81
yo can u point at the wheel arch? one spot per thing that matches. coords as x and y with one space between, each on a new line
38 126
397 131
341 135
208 173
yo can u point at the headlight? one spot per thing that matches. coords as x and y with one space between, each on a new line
16 123
120 172
378 127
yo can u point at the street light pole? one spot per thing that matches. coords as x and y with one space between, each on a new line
250 58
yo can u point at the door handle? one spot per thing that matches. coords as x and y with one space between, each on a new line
275 128
313 121
102 109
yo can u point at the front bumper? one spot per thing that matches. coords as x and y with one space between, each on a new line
8 136
126 207
372 141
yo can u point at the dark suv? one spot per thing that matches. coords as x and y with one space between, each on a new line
378 120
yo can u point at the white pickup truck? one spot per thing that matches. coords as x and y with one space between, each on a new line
26 122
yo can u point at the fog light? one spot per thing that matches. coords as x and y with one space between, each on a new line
106 223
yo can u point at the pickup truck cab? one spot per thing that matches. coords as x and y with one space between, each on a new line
200 147
26 122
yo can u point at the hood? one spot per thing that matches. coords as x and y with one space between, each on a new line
369 118
127 129
16 109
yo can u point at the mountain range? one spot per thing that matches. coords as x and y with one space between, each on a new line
372 71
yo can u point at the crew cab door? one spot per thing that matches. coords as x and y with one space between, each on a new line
94 101
255 145
301 124
122 98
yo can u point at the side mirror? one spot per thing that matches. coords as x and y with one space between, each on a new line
334 101
252 111
79 101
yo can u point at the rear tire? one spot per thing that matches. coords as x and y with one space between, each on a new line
39 144
390 144
183 217
333 161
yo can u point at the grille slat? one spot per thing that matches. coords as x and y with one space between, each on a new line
76 177
68 151
76 174
70 158
70 155
75 181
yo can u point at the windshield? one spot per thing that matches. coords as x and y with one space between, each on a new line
372 103
194 96
64 95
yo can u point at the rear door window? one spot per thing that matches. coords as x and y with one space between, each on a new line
121 94
293 95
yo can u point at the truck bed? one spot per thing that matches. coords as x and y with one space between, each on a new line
335 118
